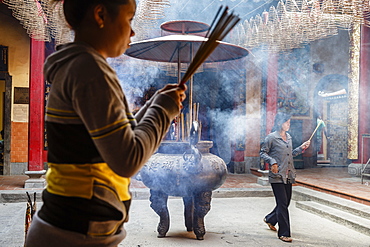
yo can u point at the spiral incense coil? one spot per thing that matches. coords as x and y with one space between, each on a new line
147 14
31 16
291 24
152 9
44 20
294 23
59 29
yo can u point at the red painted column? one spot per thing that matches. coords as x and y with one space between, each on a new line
36 107
272 87
364 105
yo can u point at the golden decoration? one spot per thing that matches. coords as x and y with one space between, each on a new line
353 90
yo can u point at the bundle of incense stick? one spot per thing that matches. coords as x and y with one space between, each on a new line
222 24
317 127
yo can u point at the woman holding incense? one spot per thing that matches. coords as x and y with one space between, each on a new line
277 151
95 143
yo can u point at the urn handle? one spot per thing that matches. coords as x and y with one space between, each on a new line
193 158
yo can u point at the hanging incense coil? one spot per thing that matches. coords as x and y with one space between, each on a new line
32 17
152 9
291 24
147 14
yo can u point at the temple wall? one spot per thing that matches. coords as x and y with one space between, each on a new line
16 39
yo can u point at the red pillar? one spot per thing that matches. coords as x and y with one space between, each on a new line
271 98
36 107
364 105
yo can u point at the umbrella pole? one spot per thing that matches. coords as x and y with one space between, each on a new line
190 86
178 81
178 66
191 89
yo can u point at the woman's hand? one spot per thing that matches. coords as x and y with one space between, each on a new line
274 168
305 145
176 92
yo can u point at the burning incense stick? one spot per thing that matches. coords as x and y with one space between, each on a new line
224 25
182 126
317 127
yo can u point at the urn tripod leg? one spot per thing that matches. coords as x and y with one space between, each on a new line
188 212
158 201
202 205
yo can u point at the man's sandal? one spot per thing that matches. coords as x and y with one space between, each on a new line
269 225
286 239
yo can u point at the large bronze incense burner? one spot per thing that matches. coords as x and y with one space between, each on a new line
177 169
184 167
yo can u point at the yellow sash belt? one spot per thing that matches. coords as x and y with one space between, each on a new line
78 180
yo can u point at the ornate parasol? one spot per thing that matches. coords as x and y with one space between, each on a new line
179 48
185 27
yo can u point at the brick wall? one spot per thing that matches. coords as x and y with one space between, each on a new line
19 142
338 132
